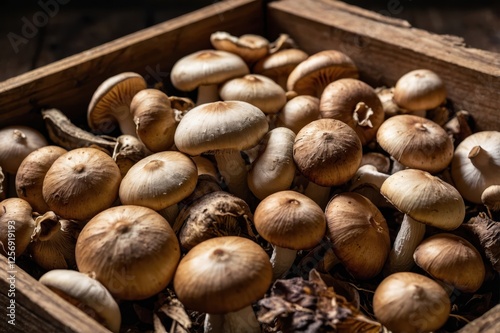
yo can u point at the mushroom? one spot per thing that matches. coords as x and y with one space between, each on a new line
249 47
87 294
159 180
290 221
16 227
491 198
386 94
476 164
205 70
367 181
132 250
411 303
380 161
279 65
155 119
205 166
214 214
81 183
356 104
420 89
128 150
255 89
222 277
453 260
17 143
110 103
313 74
298 112
274 168
223 129
31 173
425 200
358 234
416 142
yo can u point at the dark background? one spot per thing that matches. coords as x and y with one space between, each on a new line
77 26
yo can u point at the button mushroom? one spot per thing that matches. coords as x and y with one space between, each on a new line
298 112
16 227
249 47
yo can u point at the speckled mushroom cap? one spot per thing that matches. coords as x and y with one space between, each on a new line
110 104
420 89
219 126
313 74
425 198
223 274
416 142
249 47
206 67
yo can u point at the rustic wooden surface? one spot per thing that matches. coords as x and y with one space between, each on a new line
488 323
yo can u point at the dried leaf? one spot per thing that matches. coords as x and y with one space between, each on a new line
487 232
159 328
175 310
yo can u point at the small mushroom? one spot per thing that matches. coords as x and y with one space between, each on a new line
87 294
128 150
249 47
81 183
491 198
386 96
313 74
411 303
279 65
222 277
205 70
290 221
420 89
31 173
416 142
356 104
110 103
298 112
17 143
132 250
453 260
16 227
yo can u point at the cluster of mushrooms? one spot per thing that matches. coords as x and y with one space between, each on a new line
262 158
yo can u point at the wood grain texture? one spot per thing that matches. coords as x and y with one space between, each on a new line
386 48
38 309
489 322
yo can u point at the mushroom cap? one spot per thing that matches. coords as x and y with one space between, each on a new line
298 112
290 220
255 89
473 169
425 198
416 142
132 250
83 289
223 274
110 103
249 47
280 63
358 233
420 89
327 151
219 126
356 104
15 213
411 303
313 74
491 197
159 180
206 67
452 259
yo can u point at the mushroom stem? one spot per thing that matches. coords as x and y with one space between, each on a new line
329 261
479 157
410 234
242 321
125 121
367 175
234 172
281 260
319 194
170 213
207 94
362 114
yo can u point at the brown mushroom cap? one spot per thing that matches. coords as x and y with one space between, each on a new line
411 303
420 89
279 65
327 151
249 47
223 274
356 104
416 142
451 259
312 75
298 112
110 103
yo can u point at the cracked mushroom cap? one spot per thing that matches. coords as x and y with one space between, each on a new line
206 67
223 274
249 47
110 104
219 126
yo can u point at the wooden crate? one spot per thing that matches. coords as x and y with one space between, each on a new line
383 48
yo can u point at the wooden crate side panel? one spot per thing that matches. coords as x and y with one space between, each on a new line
386 48
69 84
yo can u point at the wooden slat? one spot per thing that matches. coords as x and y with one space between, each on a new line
68 84
37 309
489 322
386 48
